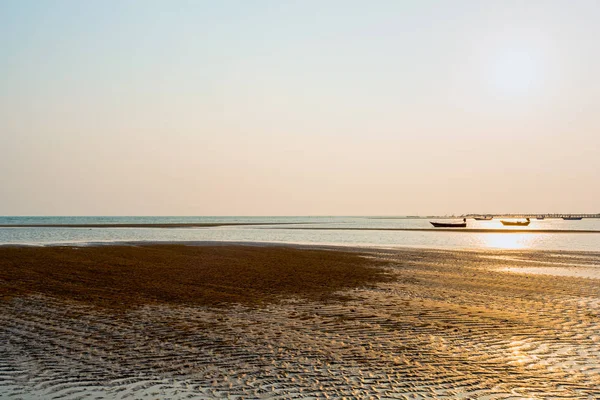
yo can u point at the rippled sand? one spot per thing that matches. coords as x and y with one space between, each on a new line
448 324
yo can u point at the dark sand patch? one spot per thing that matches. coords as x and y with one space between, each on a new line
121 277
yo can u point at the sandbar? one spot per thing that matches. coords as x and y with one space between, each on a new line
152 225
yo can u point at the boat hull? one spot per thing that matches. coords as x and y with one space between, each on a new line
449 225
510 223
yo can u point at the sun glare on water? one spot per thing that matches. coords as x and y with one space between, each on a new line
508 241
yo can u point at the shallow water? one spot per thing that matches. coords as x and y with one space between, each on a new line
291 234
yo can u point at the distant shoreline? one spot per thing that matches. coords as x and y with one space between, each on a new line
279 226
151 225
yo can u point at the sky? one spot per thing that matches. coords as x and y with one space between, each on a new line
298 107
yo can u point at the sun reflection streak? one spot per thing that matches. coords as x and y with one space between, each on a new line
519 356
508 241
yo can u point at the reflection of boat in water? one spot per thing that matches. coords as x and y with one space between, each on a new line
572 218
516 223
450 224
484 218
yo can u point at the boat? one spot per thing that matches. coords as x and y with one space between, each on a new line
462 224
515 223
572 218
540 217
484 218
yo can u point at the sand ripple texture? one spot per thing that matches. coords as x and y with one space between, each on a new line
452 325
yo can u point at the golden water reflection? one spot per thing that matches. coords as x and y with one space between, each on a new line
509 241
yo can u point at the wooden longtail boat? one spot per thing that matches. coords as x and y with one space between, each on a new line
450 224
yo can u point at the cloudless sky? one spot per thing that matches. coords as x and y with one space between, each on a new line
298 107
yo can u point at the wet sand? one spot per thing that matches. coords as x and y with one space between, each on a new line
397 324
126 276
581 272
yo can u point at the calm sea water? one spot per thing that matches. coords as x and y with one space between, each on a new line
287 234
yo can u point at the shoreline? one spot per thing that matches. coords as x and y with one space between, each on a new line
153 225
351 247
551 259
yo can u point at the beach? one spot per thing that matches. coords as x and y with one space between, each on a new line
299 200
283 321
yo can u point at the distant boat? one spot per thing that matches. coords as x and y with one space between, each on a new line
450 224
572 218
484 218
516 223
540 217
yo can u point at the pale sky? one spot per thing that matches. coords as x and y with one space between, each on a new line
299 107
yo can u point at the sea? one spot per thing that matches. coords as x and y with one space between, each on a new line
355 231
